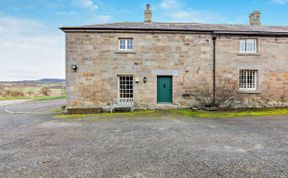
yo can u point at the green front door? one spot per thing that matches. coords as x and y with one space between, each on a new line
164 89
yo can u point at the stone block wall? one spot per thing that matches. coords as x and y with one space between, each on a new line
95 83
185 56
271 62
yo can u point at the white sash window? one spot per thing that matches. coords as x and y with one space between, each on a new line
125 89
248 79
248 46
125 44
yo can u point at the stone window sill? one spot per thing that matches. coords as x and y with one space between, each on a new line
125 52
248 54
241 91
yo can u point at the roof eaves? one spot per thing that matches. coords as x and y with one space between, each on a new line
220 32
66 29
255 33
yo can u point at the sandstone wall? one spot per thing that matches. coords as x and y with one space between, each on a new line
188 57
271 63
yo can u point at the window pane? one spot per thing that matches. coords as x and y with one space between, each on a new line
126 87
248 46
122 44
130 44
242 45
126 44
247 79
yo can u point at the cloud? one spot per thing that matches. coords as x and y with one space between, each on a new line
169 4
282 2
86 4
30 50
197 16
12 25
104 19
175 11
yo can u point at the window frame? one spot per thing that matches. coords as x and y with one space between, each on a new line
248 78
245 51
129 98
126 44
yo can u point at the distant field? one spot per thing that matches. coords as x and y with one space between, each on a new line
35 91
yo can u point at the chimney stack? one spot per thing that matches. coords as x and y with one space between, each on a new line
254 18
148 14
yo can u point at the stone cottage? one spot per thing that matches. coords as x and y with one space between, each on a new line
155 65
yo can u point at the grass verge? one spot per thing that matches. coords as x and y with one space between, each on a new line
233 114
172 113
36 98
44 98
13 98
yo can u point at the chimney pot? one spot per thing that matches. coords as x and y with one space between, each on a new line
148 14
255 19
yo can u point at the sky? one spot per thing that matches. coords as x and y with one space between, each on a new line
32 46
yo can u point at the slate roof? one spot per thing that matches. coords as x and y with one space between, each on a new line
198 27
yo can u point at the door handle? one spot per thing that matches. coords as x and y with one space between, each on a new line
164 85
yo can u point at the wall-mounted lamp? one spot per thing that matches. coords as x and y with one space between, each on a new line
74 67
144 79
137 80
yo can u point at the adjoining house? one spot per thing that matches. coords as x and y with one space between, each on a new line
154 65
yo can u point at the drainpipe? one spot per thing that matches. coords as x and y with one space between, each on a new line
214 38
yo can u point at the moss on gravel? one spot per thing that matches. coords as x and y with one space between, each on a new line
102 117
72 116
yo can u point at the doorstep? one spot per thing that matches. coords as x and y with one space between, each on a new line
166 106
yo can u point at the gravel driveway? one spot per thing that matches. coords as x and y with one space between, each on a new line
36 144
